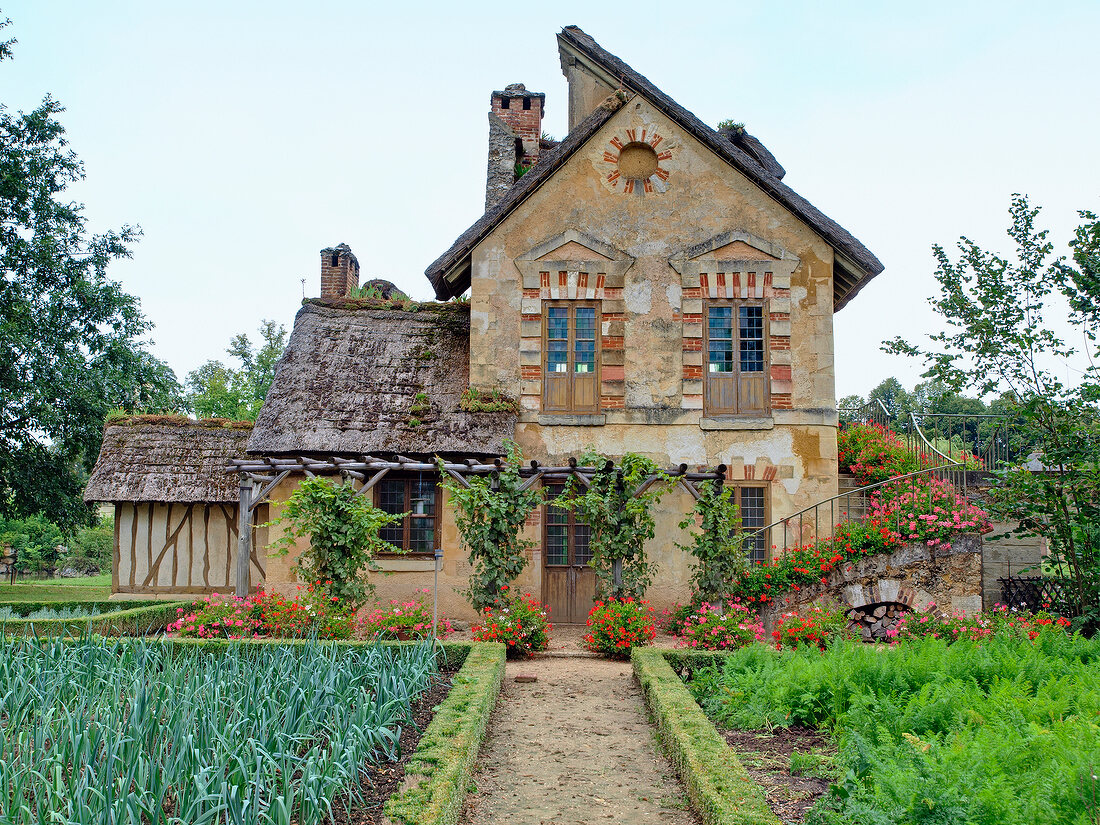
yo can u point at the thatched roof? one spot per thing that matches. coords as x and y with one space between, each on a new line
376 377
855 265
168 458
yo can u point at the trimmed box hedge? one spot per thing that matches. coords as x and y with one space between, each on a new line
124 621
438 775
26 608
719 787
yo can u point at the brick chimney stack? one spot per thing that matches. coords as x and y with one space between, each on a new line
522 111
339 271
515 131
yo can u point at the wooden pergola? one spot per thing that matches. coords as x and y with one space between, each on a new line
261 475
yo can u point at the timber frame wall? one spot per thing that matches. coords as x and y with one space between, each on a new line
180 548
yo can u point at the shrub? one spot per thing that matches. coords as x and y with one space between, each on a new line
91 550
409 619
720 626
311 613
35 541
617 625
872 453
342 527
674 618
814 627
521 624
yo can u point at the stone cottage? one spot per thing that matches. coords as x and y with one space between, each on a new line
647 284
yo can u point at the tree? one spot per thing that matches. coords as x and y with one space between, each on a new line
998 342
218 391
70 340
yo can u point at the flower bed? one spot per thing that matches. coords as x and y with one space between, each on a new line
310 613
521 625
813 627
1001 621
925 510
403 620
616 626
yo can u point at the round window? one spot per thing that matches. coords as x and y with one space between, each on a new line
637 161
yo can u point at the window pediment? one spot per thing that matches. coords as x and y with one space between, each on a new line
574 253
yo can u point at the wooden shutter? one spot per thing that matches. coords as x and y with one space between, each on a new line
735 367
571 358
752 367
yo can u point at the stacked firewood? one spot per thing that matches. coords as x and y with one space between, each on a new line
872 621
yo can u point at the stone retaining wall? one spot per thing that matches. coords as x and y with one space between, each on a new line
949 577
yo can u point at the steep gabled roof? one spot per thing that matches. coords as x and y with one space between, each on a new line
166 458
855 264
361 376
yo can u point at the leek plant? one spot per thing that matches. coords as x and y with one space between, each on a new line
120 731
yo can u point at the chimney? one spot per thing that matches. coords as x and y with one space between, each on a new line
339 271
515 129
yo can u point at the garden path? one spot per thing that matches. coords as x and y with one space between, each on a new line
573 748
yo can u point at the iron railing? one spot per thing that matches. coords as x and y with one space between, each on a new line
872 412
985 443
820 520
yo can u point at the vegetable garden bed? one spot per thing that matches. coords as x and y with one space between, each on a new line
78 618
258 732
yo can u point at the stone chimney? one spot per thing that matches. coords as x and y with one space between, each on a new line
515 129
339 271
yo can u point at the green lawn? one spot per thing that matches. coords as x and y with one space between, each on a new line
86 588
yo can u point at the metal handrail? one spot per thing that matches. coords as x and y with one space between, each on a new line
868 412
831 503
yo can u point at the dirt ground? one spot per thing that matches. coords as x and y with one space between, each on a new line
766 755
573 748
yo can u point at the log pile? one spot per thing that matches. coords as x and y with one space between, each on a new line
872 621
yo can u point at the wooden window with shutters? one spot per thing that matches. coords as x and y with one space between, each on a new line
735 373
571 357
419 497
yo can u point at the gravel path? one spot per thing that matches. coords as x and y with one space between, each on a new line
573 748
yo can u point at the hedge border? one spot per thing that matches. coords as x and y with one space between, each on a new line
26 608
438 774
719 787
133 621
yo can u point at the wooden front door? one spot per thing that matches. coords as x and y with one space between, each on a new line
568 583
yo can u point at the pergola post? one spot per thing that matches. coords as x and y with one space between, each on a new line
244 538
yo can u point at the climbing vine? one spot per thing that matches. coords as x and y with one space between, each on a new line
342 527
719 557
490 513
619 521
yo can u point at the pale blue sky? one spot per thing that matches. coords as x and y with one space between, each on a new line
245 136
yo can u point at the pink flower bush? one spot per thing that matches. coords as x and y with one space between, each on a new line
926 509
310 613
407 619
725 626
951 627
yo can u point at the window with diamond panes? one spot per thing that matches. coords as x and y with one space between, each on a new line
565 539
735 374
753 505
571 348
418 496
